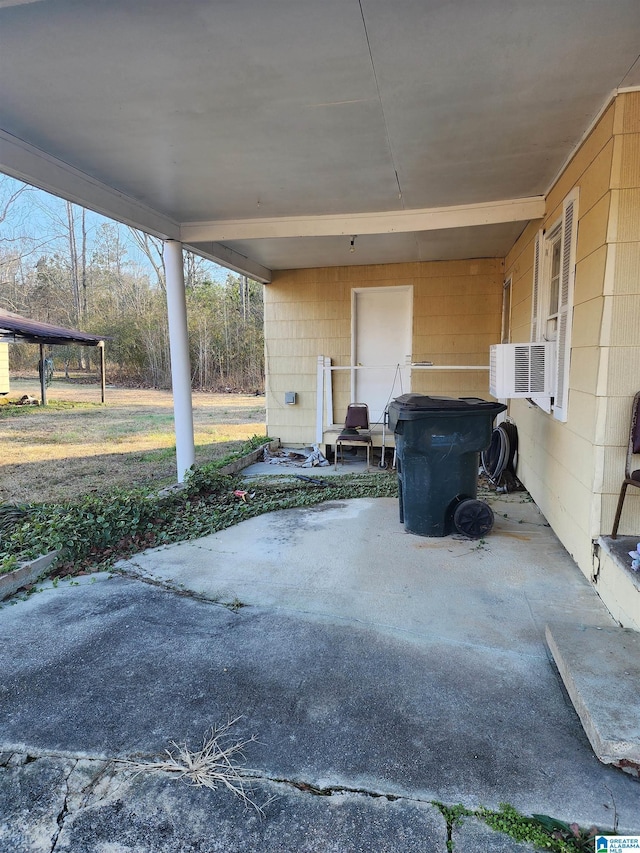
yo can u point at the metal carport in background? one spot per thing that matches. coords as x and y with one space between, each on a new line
15 329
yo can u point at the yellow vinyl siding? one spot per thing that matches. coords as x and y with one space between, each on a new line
456 317
620 362
593 229
587 320
627 268
574 469
559 461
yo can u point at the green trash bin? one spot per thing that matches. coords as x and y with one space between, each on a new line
438 443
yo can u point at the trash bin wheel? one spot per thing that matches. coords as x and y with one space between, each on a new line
473 518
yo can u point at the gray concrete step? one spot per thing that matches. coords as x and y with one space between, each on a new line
600 668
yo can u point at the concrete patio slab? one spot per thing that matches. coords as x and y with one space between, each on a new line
353 560
146 814
382 670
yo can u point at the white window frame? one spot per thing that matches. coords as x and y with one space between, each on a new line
505 335
547 324
550 313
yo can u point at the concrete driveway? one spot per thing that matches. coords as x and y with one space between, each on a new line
379 672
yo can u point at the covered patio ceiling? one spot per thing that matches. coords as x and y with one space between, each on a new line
265 134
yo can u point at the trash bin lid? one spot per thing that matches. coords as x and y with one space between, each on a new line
409 406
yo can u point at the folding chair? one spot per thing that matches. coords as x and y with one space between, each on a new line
355 431
631 478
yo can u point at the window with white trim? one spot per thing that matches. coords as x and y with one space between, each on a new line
553 252
505 337
554 267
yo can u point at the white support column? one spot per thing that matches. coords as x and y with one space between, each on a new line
319 399
180 364
328 391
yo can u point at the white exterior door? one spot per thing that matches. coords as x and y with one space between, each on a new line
382 321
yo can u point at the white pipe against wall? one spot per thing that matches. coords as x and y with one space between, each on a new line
180 363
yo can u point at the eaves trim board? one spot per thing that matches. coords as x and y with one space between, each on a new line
228 257
387 222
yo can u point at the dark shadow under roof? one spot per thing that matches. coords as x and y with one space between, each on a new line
17 329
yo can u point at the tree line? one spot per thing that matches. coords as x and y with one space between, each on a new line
64 265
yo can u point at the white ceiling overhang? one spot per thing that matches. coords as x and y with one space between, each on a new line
268 133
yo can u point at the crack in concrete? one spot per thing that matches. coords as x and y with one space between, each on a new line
167 586
11 757
330 790
19 755
77 791
64 811
451 817
111 767
236 605
103 783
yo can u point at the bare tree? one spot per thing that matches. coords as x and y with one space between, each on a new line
66 265
10 192
152 248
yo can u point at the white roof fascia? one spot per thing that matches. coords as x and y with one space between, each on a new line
33 166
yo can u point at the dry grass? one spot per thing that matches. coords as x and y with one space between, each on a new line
214 765
56 453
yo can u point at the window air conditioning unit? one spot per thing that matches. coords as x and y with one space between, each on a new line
522 370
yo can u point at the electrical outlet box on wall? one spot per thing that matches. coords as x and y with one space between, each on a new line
522 370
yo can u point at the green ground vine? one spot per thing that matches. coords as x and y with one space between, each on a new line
96 530
541 831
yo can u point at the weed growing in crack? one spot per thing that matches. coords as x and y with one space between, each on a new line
541 831
212 766
521 828
453 816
